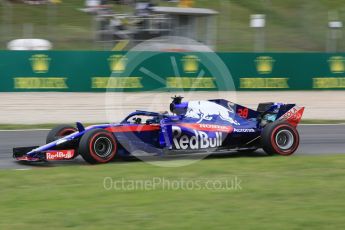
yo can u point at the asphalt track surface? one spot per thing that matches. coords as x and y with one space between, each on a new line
315 140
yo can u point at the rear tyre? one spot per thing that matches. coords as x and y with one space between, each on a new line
98 146
59 132
280 138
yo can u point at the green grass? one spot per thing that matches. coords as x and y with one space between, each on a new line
294 25
297 192
63 24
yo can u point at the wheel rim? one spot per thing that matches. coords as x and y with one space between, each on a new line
103 147
284 139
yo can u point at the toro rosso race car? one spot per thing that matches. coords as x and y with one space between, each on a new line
194 126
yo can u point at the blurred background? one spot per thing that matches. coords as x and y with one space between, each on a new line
224 25
290 51
292 45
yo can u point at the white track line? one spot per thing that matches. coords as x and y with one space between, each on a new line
22 169
321 124
22 130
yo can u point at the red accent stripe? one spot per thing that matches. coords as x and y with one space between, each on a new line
296 118
133 128
293 116
208 127
27 158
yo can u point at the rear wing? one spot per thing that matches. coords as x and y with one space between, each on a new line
292 116
290 113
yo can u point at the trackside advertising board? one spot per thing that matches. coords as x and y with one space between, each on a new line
97 71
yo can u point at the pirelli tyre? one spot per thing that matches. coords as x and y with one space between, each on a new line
280 138
98 146
59 131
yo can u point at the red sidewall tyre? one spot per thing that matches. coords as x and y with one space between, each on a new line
66 132
59 131
270 138
98 146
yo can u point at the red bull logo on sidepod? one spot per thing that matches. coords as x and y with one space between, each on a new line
200 139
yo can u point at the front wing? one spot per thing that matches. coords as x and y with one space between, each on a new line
20 154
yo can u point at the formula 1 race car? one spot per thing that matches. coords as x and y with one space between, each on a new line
194 126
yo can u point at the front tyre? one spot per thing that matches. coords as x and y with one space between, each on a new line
59 132
98 146
280 138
